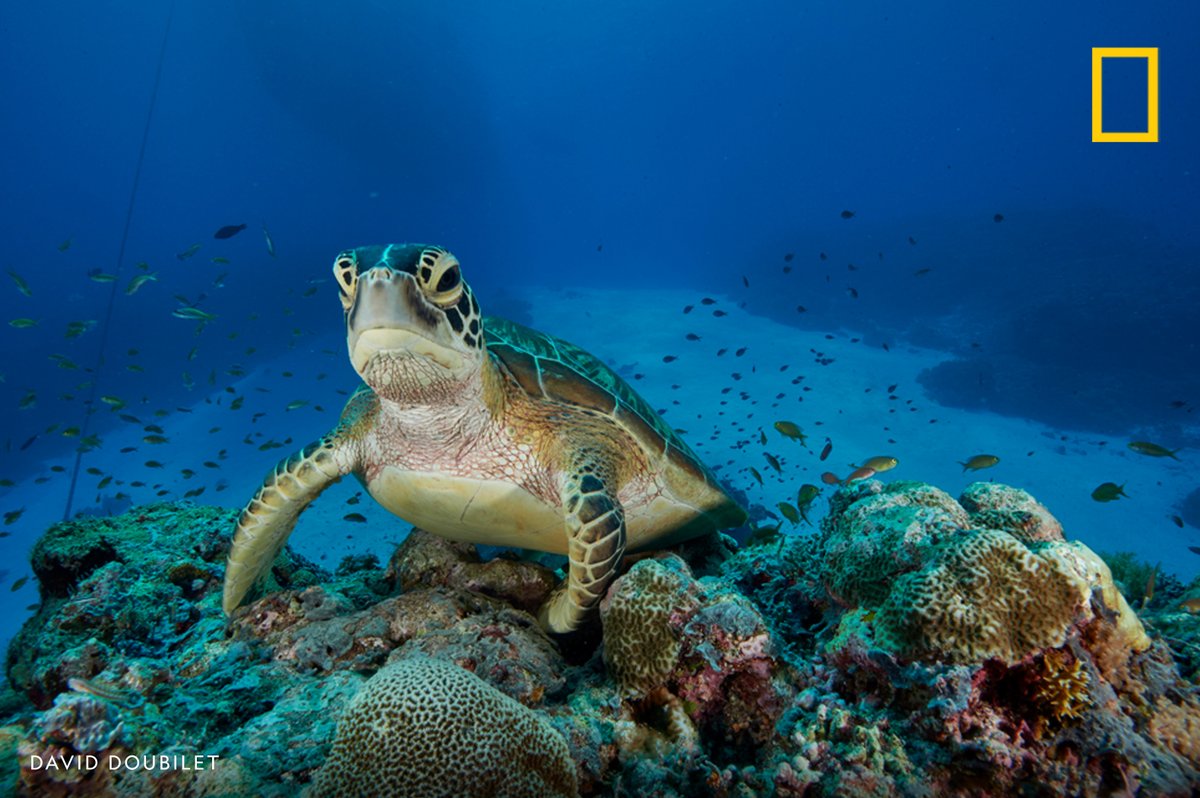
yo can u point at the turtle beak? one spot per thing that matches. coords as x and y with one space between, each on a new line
390 315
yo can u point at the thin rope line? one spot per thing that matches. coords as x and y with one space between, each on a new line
90 403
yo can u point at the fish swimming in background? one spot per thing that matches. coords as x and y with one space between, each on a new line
773 461
847 214
830 478
979 462
865 472
881 463
189 252
22 286
754 473
789 512
192 314
789 429
229 231
1152 449
23 323
1109 492
270 243
65 245
138 281
826 450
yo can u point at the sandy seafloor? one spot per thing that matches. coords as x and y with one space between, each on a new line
846 401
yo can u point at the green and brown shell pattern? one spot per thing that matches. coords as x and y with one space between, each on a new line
548 367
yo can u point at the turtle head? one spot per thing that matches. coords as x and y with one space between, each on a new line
412 324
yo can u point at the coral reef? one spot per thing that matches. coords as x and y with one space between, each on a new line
914 645
426 727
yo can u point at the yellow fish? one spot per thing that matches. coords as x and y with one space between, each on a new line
881 463
1153 449
979 462
790 430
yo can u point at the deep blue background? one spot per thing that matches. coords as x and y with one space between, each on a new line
617 143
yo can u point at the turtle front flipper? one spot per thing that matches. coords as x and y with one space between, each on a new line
595 544
270 516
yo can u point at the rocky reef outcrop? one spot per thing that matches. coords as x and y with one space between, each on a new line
916 644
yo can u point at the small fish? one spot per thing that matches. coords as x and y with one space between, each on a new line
28 400
270 243
825 451
192 314
105 692
998 218
830 478
754 473
687 309
708 301
194 492
1194 549
115 402
790 430
1109 492
1153 450
847 214
669 358
153 464
138 281
29 441
22 286
881 463
789 512
22 323
20 583
807 495
692 337
78 328
355 518
773 462
979 462
921 272
65 245
1192 605
296 405
745 281
189 252
97 276
1178 521
11 516
1149 594
229 231
861 473
102 484
853 292
762 437
155 439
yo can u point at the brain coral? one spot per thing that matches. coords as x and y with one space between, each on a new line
883 533
986 594
641 616
423 728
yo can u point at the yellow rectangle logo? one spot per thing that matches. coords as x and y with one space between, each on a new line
1151 56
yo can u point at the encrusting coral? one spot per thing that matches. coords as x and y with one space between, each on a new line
423 727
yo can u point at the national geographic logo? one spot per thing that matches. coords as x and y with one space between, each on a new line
1151 55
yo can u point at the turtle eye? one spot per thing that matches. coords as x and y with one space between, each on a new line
442 279
449 279
345 271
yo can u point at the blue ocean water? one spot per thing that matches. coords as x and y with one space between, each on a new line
913 176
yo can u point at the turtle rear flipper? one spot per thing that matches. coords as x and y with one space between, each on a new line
270 516
595 543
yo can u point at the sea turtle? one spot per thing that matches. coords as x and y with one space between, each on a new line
479 429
